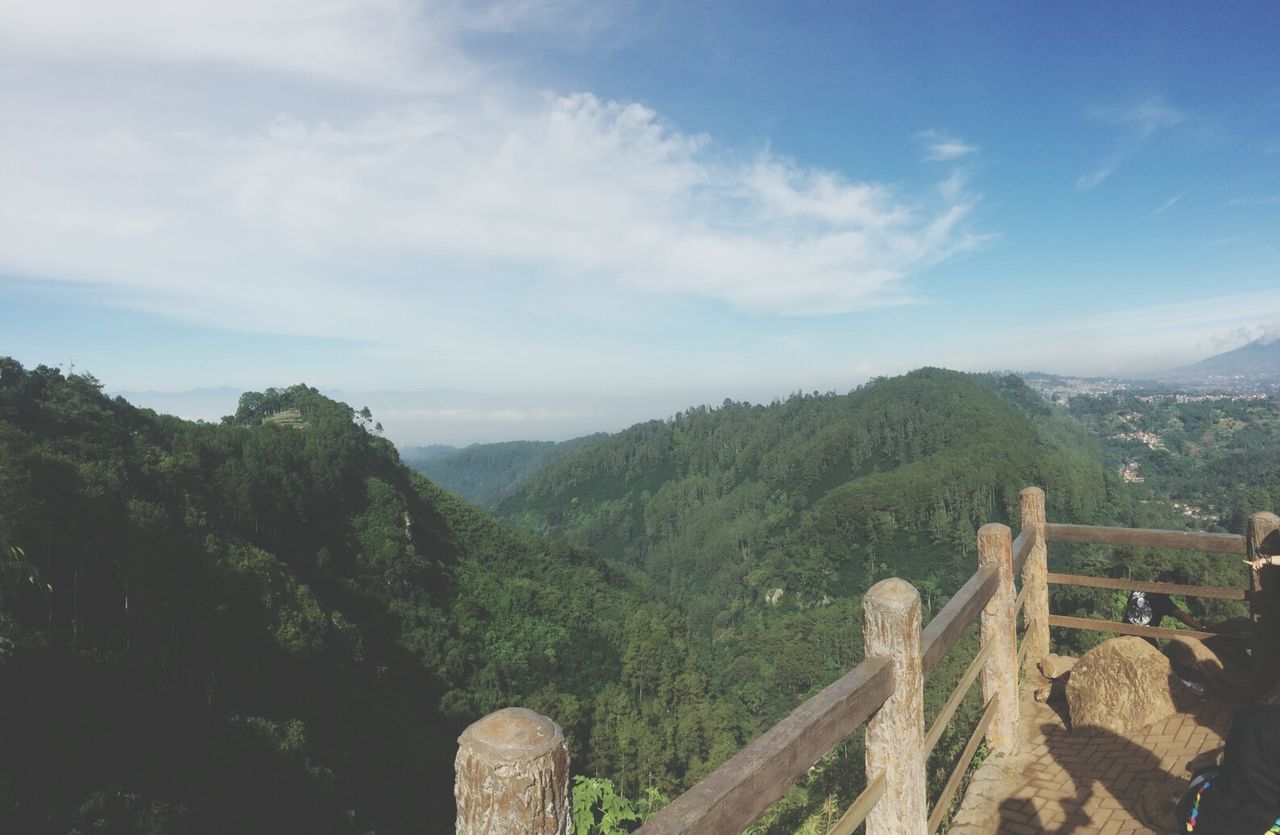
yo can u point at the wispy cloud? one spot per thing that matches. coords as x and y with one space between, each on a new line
1139 124
418 213
410 45
1264 332
1130 340
1166 205
940 147
1265 200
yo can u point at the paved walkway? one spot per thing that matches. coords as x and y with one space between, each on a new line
1091 781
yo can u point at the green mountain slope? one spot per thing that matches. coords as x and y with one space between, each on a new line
486 473
816 497
271 626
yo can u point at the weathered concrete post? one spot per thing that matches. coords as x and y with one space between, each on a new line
1035 580
511 775
998 626
1263 540
895 735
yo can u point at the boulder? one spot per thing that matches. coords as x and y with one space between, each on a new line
1200 662
1054 666
1120 685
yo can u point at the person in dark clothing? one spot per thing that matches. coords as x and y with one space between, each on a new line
1148 608
1242 796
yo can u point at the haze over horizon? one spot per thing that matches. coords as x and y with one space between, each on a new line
563 214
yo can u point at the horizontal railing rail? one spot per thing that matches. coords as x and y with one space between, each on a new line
944 631
734 795
1125 584
1122 628
1221 543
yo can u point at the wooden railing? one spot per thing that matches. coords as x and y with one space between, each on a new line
885 691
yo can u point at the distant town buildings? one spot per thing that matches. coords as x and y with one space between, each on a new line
1061 389
1151 439
1130 473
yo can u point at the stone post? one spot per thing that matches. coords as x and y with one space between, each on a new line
895 734
998 626
511 775
1035 580
1263 539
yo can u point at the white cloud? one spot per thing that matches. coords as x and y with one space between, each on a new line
1264 332
1134 340
409 218
411 45
1231 338
1264 200
1094 178
1166 205
1145 117
1139 123
939 147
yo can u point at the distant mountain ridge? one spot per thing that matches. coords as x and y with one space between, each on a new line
487 473
1254 364
815 495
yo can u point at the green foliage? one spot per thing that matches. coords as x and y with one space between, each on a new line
16 569
599 810
818 495
114 812
270 625
298 626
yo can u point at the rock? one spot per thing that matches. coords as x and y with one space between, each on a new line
1053 691
1055 666
1120 685
1200 662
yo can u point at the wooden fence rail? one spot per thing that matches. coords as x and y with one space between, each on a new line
885 691
1221 543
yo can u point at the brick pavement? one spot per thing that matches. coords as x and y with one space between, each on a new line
1091 781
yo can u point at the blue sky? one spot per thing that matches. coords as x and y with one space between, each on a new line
546 218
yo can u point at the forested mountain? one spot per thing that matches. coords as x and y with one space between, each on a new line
487 473
816 497
272 626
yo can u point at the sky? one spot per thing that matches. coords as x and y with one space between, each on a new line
541 218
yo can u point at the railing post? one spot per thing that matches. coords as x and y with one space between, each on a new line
998 626
512 775
895 735
1035 580
1263 540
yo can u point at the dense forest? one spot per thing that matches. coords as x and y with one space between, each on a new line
816 497
271 624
